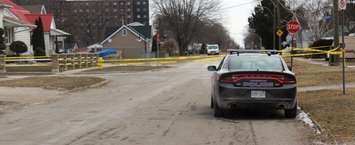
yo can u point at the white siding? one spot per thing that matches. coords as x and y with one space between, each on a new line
24 34
49 49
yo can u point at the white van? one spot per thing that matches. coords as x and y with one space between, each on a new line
212 49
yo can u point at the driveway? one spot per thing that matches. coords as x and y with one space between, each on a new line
166 107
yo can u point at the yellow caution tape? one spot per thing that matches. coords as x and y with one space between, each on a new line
27 57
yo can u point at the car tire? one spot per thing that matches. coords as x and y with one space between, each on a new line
291 113
218 112
212 105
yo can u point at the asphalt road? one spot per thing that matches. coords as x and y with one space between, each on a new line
167 107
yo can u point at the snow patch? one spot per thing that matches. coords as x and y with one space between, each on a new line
305 118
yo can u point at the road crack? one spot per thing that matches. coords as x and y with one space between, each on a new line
252 130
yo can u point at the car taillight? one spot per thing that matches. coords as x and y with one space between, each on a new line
229 79
289 80
278 79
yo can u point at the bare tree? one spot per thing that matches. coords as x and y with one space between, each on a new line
252 40
184 17
313 15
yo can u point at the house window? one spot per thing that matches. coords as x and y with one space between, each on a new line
124 32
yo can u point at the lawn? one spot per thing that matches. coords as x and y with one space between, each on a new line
318 75
53 82
333 111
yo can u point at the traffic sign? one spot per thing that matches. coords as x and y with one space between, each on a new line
342 4
279 33
293 26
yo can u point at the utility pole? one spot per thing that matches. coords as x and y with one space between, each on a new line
278 22
274 30
333 59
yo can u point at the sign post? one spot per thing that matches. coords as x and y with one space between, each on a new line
293 27
279 33
342 7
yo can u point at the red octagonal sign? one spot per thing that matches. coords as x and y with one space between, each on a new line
293 26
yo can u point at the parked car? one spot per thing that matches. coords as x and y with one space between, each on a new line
245 79
213 49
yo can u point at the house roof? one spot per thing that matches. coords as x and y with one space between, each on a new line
57 32
124 27
34 8
46 20
19 11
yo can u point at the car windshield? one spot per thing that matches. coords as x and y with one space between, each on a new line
212 47
255 63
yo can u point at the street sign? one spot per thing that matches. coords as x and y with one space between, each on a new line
279 33
293 26
342 4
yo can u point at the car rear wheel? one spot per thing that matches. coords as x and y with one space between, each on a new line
291 113
212 105
218 112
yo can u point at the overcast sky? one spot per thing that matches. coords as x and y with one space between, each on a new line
236 19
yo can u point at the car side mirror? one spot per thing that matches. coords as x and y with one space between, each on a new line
212 68
289 67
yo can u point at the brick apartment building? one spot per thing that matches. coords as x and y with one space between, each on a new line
90 21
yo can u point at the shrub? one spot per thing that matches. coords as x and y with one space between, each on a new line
18 47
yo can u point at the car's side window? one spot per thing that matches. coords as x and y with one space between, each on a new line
221 63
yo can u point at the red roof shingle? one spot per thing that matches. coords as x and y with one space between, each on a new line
46 20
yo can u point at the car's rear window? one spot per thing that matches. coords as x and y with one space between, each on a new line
255 63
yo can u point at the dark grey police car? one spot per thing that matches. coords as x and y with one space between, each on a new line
258 78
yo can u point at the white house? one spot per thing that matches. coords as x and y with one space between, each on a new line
54 38
9 21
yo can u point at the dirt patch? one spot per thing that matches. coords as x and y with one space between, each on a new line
6 106
317 75
333 111
125 69
53 82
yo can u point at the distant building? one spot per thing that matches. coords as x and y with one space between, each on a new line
90 21
130 40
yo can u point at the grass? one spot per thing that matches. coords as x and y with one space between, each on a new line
53 82
318 75
126 69
333 111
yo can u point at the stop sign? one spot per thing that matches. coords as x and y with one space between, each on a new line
293 26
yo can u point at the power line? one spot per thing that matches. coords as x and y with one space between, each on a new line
239 5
